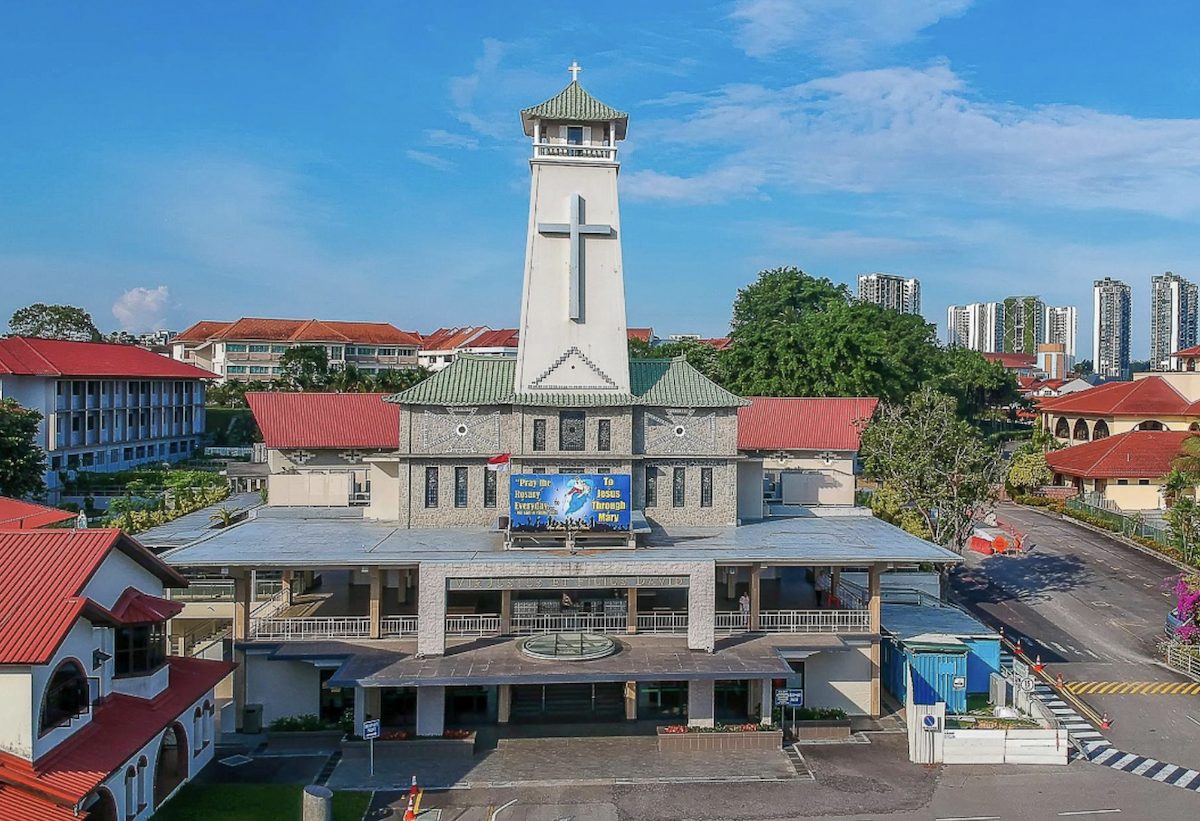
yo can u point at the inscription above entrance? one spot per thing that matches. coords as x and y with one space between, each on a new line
564 582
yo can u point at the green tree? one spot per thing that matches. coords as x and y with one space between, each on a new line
394 381
937 465
1183 527
1177 485
1188 460
1028 471
640 349
973 381
306 367
797 335
1083 367
54 322
22 462
699 355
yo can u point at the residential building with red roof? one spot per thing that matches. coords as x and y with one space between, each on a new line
1149 402
1125 469
1022 364
16 514
96 720
809 446
250 349
316 444
104 406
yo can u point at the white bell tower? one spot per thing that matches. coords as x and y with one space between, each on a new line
573 335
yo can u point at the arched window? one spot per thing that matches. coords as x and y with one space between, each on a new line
1191 364
1100 430
104 808
66 696
131 797
1194 426
142 796
1063 428
209 725
1151 424
1081 431
171 768
197 731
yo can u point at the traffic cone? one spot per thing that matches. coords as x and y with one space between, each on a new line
414 801
1105 722
1037 665
1019 651
1058 680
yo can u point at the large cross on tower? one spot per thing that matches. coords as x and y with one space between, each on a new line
576 229
574 68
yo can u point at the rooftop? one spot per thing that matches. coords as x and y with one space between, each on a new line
1139 454
488 380
326 420
785 423
321 537
908 621
18 515
32 356
1012 361
299 330
1142 397
574 104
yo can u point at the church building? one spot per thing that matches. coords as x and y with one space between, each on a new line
567 535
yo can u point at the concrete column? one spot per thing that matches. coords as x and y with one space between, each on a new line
505 612
431 610
631 701
375 611
835 580
367 701
241 632
631 614
767 705
431 711
701 706
876 608
756 596
402 588
503 703
731 575
287 577
702 609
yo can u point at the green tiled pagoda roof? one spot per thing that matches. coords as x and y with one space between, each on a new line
573 104
488 380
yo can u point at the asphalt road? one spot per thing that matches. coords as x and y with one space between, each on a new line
1093 609
852 782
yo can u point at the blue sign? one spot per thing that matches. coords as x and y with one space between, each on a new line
569 501
371 729
789 698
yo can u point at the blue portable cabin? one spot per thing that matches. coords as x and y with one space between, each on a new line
934 662
912 631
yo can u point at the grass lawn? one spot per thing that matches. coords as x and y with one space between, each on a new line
253 802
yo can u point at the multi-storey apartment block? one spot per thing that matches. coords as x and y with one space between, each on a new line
1023 328
251 350
978 326
898 293
104 407
1112 311
1061 328
1173 318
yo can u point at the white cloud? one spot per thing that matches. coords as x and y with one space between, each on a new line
441 137
142 309
837 31
923 132
431 160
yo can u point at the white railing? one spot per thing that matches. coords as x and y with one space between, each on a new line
663 621
398 626
569 622
473 625
586 152
799 621
1184 658
311 627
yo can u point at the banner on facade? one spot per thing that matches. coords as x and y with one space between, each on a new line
594 502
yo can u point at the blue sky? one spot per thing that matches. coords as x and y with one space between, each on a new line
163 163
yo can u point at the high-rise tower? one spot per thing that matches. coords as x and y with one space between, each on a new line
1111 315
573 335
1173 315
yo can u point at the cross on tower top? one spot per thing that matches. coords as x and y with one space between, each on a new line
574 68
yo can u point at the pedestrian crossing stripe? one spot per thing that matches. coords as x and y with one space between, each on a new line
1154 688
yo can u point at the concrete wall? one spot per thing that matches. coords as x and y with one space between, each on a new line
749 490
839 679
1134 496
309 489
17 712
117 573
807 480
284 688
385 492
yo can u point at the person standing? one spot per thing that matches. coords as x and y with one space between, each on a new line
744 607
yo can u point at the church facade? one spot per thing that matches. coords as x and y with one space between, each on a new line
564 535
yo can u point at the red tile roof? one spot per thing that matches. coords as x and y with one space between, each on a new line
120 726
640 334
18 515
326 420
448 339
1139 454
1013 361
17 804
42 576
1142 397
136 607
30 356
300 330
790 423
503 338
1192 351
719 342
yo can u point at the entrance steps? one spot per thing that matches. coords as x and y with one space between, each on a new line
568 702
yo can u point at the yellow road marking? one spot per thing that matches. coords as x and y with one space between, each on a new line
1148 688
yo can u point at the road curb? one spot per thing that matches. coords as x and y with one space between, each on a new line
1116 537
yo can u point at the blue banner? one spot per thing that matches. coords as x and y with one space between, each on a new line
569 501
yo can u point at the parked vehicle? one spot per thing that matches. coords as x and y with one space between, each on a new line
1173 623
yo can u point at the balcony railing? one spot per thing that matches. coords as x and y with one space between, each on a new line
394 626
311 627
573 622
663 621
487 624
799 621
581 152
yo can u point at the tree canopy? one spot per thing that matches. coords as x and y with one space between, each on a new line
54 322
22 462
932 463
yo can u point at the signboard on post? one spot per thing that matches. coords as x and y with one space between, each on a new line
371 729
929 723
587 502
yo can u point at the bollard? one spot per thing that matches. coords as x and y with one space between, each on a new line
317 804
1105 722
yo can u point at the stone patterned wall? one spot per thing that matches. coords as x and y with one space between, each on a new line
724 504
621 436
431 591
686 431
483 431
475 514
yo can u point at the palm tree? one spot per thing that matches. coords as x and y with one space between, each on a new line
1178 484
223 517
